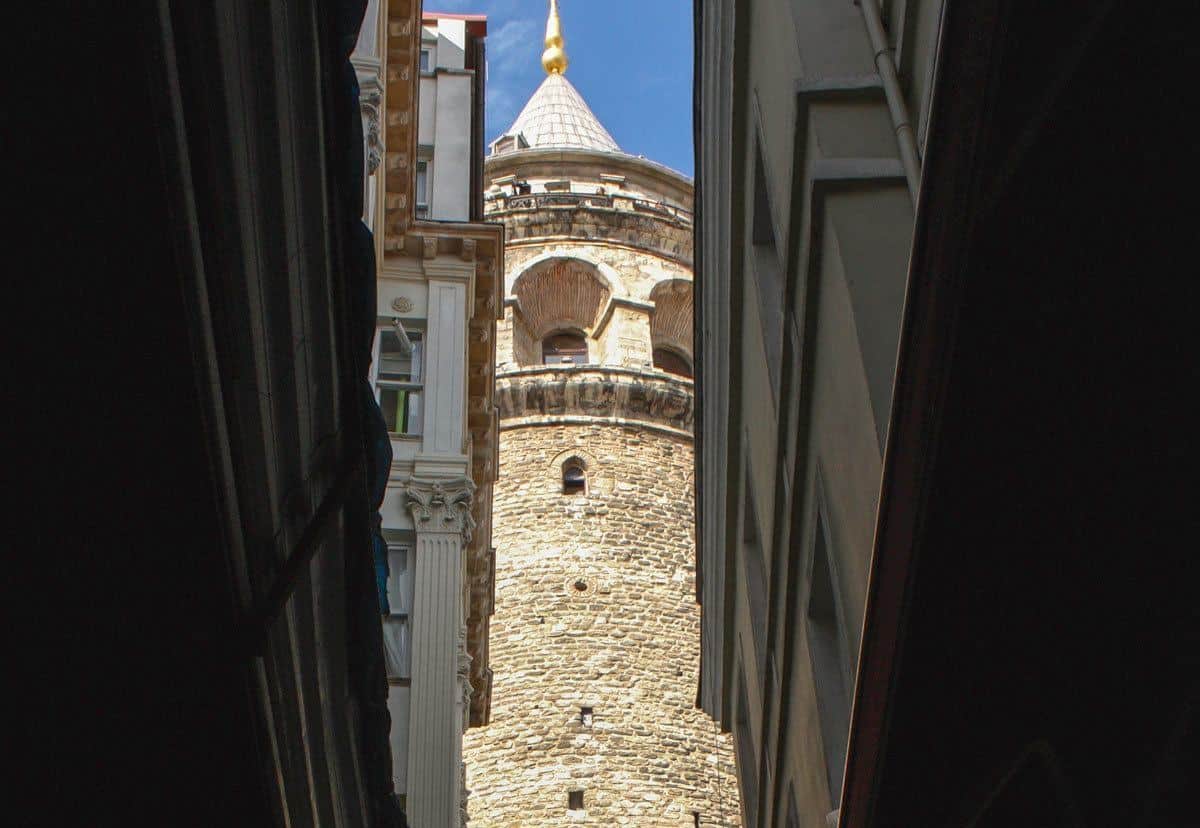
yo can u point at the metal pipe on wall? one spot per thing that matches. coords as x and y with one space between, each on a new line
886 66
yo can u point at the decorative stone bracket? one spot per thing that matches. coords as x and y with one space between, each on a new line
442 505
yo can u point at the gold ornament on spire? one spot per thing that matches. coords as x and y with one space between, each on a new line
554 59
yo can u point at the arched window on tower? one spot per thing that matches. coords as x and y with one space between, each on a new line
564 348
672 362
574 477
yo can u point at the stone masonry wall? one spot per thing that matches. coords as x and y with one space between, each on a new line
638 272
595 607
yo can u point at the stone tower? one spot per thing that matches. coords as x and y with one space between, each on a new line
594 641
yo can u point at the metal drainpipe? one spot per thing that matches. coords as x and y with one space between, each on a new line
886 67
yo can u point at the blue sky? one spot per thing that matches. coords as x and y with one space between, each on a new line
630 59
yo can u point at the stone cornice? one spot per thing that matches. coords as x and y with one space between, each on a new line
497 165
600 394
442 506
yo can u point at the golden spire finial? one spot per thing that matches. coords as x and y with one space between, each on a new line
554 59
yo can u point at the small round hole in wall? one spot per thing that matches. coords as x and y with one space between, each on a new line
580 585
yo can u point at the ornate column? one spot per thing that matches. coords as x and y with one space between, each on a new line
441 512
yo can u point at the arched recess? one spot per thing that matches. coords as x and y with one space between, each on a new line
672 361
557 295
671 320
605 273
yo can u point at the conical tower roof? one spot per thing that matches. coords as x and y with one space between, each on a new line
558 116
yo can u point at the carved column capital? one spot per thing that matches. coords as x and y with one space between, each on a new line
442 505
370 101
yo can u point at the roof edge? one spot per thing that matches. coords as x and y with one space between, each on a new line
534 154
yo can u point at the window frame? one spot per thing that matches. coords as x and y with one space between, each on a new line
403 584
768 265
421 173
418 386
830 660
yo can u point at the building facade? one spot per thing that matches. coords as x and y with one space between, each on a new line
595 640
812 116
449 166
437 306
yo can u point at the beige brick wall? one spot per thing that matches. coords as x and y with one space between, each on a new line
626 644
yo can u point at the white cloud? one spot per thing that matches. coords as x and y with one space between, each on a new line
504 44
508 52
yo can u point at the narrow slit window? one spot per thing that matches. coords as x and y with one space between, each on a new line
575 800
421 190
574 477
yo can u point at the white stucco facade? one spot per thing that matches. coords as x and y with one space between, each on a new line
448 84
438 277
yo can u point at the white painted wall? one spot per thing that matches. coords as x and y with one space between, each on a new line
452 149
444 120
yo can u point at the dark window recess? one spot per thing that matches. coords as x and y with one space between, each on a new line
825 637
574 479
768 272
695 819
575 800
564 349
671 362
756 579
744 752
585 716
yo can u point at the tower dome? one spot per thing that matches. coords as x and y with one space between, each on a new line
595 635
557 116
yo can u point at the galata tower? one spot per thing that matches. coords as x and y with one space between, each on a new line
595 640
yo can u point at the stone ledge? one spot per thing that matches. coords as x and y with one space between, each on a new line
545 395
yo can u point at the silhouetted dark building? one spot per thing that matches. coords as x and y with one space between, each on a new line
208 487
1020 644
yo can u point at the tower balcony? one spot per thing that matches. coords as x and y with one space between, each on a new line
600 394
655 226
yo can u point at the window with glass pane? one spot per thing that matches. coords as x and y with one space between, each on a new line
397 640
398 380
421 193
